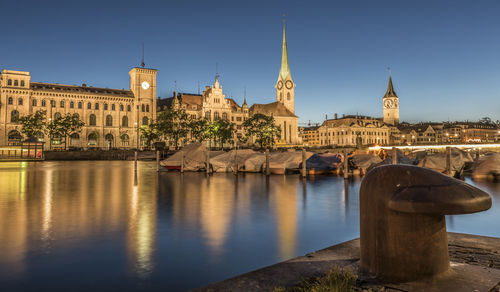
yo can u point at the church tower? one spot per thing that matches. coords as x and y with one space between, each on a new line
391 105
285 88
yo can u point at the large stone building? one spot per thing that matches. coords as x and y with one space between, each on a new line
111 116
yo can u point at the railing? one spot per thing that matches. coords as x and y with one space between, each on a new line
25 151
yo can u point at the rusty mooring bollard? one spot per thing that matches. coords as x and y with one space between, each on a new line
403 228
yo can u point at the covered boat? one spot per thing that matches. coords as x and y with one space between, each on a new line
487 167
228 161
325 163
437 161
194 158
283 162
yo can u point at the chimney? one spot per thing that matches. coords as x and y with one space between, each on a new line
336 116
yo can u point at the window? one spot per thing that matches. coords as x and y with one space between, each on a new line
33 102
121 107
16 83
224 116
14 116
109 121
61 103
145 121
22 83
9 82
129 108
80 104
143 108
10 100
216 115
53 103
105 106
125 139
89 105
113 107
96 106
147 108
44 103
92 120
281 96
288 96
57 116
71 104
124 121
20 101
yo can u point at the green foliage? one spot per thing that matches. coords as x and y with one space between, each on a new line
173 124
263 128
335 280
64 126
199 129
150 133
221 131
32 123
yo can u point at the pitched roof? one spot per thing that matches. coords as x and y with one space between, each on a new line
390 89
271 109
39 86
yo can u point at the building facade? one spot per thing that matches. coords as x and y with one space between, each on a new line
111 116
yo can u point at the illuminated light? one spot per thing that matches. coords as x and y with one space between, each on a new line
473 146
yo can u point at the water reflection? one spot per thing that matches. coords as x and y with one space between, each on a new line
126 229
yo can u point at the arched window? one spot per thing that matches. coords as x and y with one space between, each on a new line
224 116
105 106
109 121
145 121
96 106
92 120
121 107
74 136
216 115
147 108
20 101
143 108
53 103
89 105
14 116
109 138
71 104
80 104
113 107
57 116
10 100
124 121
44 103
9 82
16 83
288 95
22 83
14 136
74 140
92 139
129 108
61 103
125 139
33 102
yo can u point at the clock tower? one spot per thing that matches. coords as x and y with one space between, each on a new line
143 85
391 105
285 87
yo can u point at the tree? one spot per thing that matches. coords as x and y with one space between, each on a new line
486 120
199 129
32 123
263 128
64 126
174 124
221 130
149 133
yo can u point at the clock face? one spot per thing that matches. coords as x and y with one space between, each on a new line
280 84
388 103
145 85
289 84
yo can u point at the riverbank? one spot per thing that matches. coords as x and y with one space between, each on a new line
475 265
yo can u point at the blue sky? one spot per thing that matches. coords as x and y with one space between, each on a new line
444 55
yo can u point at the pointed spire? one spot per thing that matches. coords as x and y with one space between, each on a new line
245 98
285 67
390 89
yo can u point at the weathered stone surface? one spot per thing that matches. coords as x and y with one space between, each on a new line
402 223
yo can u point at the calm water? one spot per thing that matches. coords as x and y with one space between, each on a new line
94 226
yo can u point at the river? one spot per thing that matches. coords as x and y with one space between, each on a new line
94 225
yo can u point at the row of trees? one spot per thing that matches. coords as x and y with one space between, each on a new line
59 127
177 126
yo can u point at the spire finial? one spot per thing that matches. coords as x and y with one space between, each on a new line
245 96
389 68
142 60
285 68
216 71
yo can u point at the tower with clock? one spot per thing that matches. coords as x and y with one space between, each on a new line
285 87
391 105
143 85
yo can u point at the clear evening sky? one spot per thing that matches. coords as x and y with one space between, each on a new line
444 55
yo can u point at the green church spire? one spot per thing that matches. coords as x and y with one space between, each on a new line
285 67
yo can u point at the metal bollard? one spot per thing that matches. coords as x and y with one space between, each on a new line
182 161
207 161
135 161
157 160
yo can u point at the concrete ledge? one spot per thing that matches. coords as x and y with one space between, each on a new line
475 267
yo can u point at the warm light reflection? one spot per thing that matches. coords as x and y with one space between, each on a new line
47 207
285 203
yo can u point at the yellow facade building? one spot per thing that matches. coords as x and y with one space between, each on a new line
111 116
